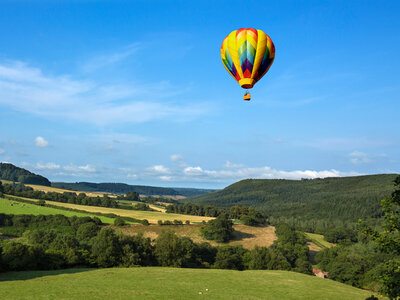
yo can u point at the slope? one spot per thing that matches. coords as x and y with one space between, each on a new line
329 199
170 283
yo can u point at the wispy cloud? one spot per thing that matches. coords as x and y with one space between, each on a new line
27 89
41 142
357 158
176 157
346 144
104 60
2 151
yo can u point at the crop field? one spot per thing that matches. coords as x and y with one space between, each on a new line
151 216
155 207
18 208
247 236
171 283
57 190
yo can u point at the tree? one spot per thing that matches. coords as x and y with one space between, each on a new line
132 196
174 251
86 231
230 257
119 221
106 248
389 242
219 229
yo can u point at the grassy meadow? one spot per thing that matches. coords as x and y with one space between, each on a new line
171 283
19 208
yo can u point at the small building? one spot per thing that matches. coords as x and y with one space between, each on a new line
320 273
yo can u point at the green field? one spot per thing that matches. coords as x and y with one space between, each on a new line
19 208
318 239
170 283
151 216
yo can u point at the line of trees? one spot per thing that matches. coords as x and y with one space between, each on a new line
248 215
66 197
54 242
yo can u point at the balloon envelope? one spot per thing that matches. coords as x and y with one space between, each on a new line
247 55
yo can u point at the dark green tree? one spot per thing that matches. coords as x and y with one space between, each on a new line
219 229
107 248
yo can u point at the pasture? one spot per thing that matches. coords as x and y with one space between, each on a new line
171 283
19 208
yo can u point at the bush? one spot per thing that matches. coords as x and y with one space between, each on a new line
119 221
41 203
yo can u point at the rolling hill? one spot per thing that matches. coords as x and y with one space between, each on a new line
171 283
13 173
319 200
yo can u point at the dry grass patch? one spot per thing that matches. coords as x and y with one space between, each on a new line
247 236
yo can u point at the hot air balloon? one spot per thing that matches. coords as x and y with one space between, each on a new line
247 55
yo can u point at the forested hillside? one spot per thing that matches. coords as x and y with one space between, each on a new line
13 173
306 202
122 188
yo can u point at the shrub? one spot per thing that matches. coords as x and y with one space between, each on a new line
119 221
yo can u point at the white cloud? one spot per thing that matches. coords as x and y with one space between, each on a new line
357 158
166 178
2 151
47 166
84 169
159 169
41 142
234 172
230 165
27 89
176 157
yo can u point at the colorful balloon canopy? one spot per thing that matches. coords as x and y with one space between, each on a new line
247 54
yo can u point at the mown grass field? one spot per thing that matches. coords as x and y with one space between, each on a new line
151 216
170 283
19 208
247 236
317 241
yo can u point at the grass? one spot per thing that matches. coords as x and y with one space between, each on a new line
171 283
151 216
317 241
246 236
19 208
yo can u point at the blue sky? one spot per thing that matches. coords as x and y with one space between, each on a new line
135 91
